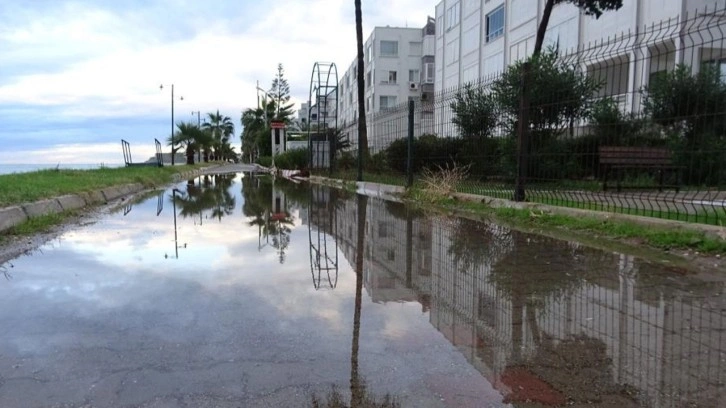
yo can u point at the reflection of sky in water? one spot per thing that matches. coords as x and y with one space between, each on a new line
111 297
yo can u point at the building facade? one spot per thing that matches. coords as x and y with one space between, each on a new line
399 66
477 39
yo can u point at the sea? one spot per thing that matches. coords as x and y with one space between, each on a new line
25 168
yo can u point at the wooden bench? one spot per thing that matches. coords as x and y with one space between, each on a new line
619 158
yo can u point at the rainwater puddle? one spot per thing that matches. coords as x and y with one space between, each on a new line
229 291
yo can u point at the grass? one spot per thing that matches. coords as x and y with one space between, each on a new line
28 187
653 236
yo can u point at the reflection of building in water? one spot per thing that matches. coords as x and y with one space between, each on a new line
594 325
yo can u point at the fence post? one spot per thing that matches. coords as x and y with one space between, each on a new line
409 159
332 134
522 135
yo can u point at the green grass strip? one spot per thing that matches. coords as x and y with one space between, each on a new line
28 187
661 237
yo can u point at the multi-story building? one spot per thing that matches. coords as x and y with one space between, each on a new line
398 66
477 39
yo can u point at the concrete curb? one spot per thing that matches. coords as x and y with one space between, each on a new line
391 192
17 214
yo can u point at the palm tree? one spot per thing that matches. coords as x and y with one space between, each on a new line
221 128
362 130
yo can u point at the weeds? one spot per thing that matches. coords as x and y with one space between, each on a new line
443 182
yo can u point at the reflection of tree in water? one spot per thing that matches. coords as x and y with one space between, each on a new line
578 372
258 195
475 244
209 193
359 397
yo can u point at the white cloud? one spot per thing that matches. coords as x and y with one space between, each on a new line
98 62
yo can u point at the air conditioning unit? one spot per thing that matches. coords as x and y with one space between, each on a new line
413 86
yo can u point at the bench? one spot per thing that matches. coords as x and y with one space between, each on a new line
619 158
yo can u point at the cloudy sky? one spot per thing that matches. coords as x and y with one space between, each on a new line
78 76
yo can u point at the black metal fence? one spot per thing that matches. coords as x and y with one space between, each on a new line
634 123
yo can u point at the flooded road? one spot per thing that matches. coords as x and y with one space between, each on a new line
229 291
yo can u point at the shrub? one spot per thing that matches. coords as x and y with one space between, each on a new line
346 161
295 159
429 152
265 161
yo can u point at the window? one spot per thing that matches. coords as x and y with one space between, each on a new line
429 72
495 23
355 73
719 65
369 53
389 48
392 78
369 79
390 255
415 49
383 229
387 102
414 75
452 16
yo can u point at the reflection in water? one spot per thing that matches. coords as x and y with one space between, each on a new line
359 397
545 320
323 247
267 208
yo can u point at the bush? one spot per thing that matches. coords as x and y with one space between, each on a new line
429 152
295 159
346 161
265 161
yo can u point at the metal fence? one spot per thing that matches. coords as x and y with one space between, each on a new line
634 123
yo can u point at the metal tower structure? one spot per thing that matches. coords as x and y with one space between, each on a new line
323 114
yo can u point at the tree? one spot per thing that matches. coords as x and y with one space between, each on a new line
474 112
362 129
188 136
559 92
590 7
690 107
280 92
221 128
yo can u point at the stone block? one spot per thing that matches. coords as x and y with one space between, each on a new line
71 202
11 216
42 207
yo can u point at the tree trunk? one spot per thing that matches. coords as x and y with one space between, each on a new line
356 385
190 154
362 129
542 29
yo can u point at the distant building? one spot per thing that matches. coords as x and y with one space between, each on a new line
398 67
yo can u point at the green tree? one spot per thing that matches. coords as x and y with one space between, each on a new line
691 108
188 136
559 92
590 7
474 112
221 129
280 92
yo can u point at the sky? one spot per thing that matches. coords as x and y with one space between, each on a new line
76 77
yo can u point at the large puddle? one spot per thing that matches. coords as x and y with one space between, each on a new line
229 291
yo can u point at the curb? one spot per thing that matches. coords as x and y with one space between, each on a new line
391 192
18 214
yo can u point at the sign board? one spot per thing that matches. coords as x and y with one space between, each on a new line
277 125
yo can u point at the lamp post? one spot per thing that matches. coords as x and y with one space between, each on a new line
199 125
173 153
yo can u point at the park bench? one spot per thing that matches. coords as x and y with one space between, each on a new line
620 158
126 147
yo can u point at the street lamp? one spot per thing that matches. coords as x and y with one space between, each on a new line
161 87
199 125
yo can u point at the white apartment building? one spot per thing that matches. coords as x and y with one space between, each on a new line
477 39
398 66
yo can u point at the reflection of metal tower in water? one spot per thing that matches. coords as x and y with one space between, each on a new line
322 114
321 261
